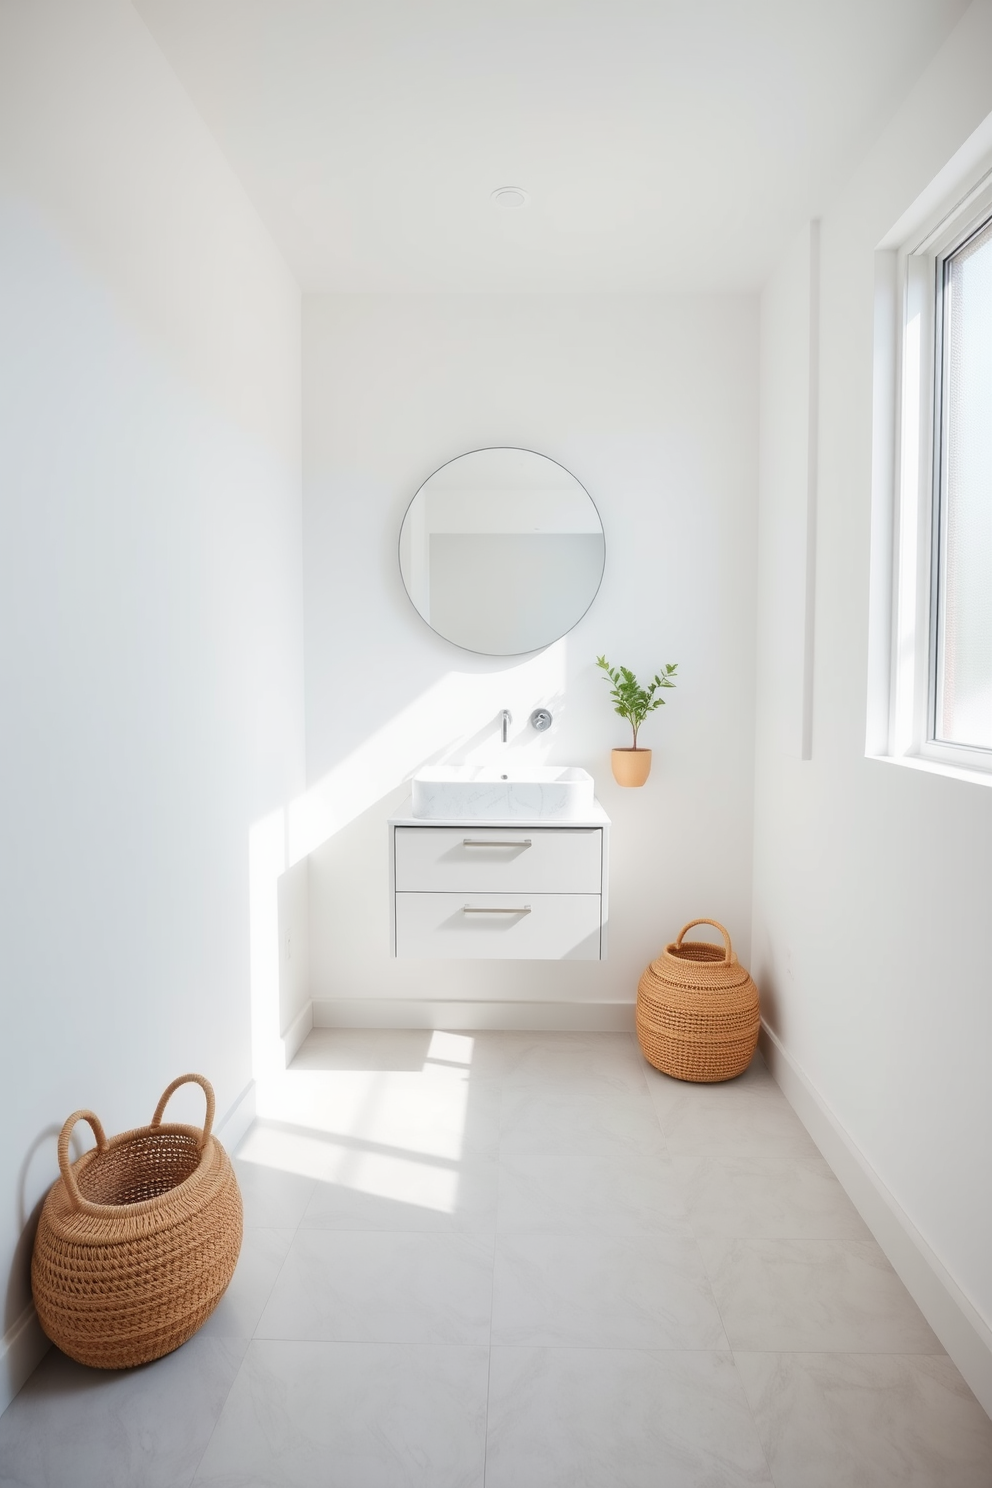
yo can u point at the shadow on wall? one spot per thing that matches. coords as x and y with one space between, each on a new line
765 975
27 1224
44 1148
452 721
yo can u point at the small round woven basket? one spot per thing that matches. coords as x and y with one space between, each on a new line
138 1240
697 1010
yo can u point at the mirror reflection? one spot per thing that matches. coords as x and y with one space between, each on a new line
502 551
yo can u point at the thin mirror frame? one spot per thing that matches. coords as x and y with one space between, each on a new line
484 449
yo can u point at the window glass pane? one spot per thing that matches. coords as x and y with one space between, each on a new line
964 621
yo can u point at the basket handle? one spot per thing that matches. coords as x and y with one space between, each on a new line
65 1166
170 1090
728 948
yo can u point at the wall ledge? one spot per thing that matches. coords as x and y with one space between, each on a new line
958 1324
498 1015
934 767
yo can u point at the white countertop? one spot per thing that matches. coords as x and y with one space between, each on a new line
404 817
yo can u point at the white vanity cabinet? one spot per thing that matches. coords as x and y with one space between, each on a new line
499 891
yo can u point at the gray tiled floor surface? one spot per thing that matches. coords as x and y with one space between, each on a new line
523 1261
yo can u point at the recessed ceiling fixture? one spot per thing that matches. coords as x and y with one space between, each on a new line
510 198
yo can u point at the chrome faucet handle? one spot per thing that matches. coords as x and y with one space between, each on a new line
541 719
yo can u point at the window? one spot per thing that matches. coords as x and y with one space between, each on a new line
938 634
962 585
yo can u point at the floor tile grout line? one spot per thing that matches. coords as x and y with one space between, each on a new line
503 1198
723 1322
502 1157
706 1270
492 1298
216 1422
754 1420
254 1333
645 1066
282 1265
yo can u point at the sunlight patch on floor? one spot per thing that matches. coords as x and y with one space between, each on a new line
396 1135
403 1180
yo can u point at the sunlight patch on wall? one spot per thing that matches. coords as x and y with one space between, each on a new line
456 721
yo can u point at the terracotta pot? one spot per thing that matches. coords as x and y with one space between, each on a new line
631 766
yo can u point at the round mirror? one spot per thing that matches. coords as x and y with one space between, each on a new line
502 551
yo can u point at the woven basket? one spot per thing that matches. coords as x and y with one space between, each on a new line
137 1241
697 1010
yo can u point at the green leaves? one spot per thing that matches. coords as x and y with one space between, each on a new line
630 699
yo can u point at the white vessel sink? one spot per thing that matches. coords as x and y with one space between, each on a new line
494 792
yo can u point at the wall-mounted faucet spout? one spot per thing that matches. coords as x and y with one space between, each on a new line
505 721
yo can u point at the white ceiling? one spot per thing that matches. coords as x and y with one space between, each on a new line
663 144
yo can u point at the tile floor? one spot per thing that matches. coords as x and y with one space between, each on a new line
525 1261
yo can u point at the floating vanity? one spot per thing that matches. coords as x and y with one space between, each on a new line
488 865
501 862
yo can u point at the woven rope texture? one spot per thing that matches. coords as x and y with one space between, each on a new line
697 1010
137 1241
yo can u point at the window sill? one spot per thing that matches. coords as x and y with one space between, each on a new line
935 767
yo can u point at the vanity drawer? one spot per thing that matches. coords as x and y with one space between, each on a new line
499 927
481 859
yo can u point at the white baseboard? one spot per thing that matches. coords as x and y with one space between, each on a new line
962 1330
22 1349
234 1124
293 1037
550 1017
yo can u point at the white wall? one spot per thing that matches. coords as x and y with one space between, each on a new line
150 602
651 403
788 422
872 883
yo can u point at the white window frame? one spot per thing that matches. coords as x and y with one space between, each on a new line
916 482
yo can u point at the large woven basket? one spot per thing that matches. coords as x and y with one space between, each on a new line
137 1240
697 1010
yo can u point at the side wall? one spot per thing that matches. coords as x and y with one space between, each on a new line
651 402
872 883
150 597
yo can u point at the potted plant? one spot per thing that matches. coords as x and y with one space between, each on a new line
632 765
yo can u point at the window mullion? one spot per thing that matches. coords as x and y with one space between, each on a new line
937 503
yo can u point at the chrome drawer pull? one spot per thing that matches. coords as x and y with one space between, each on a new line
486 842
494 909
